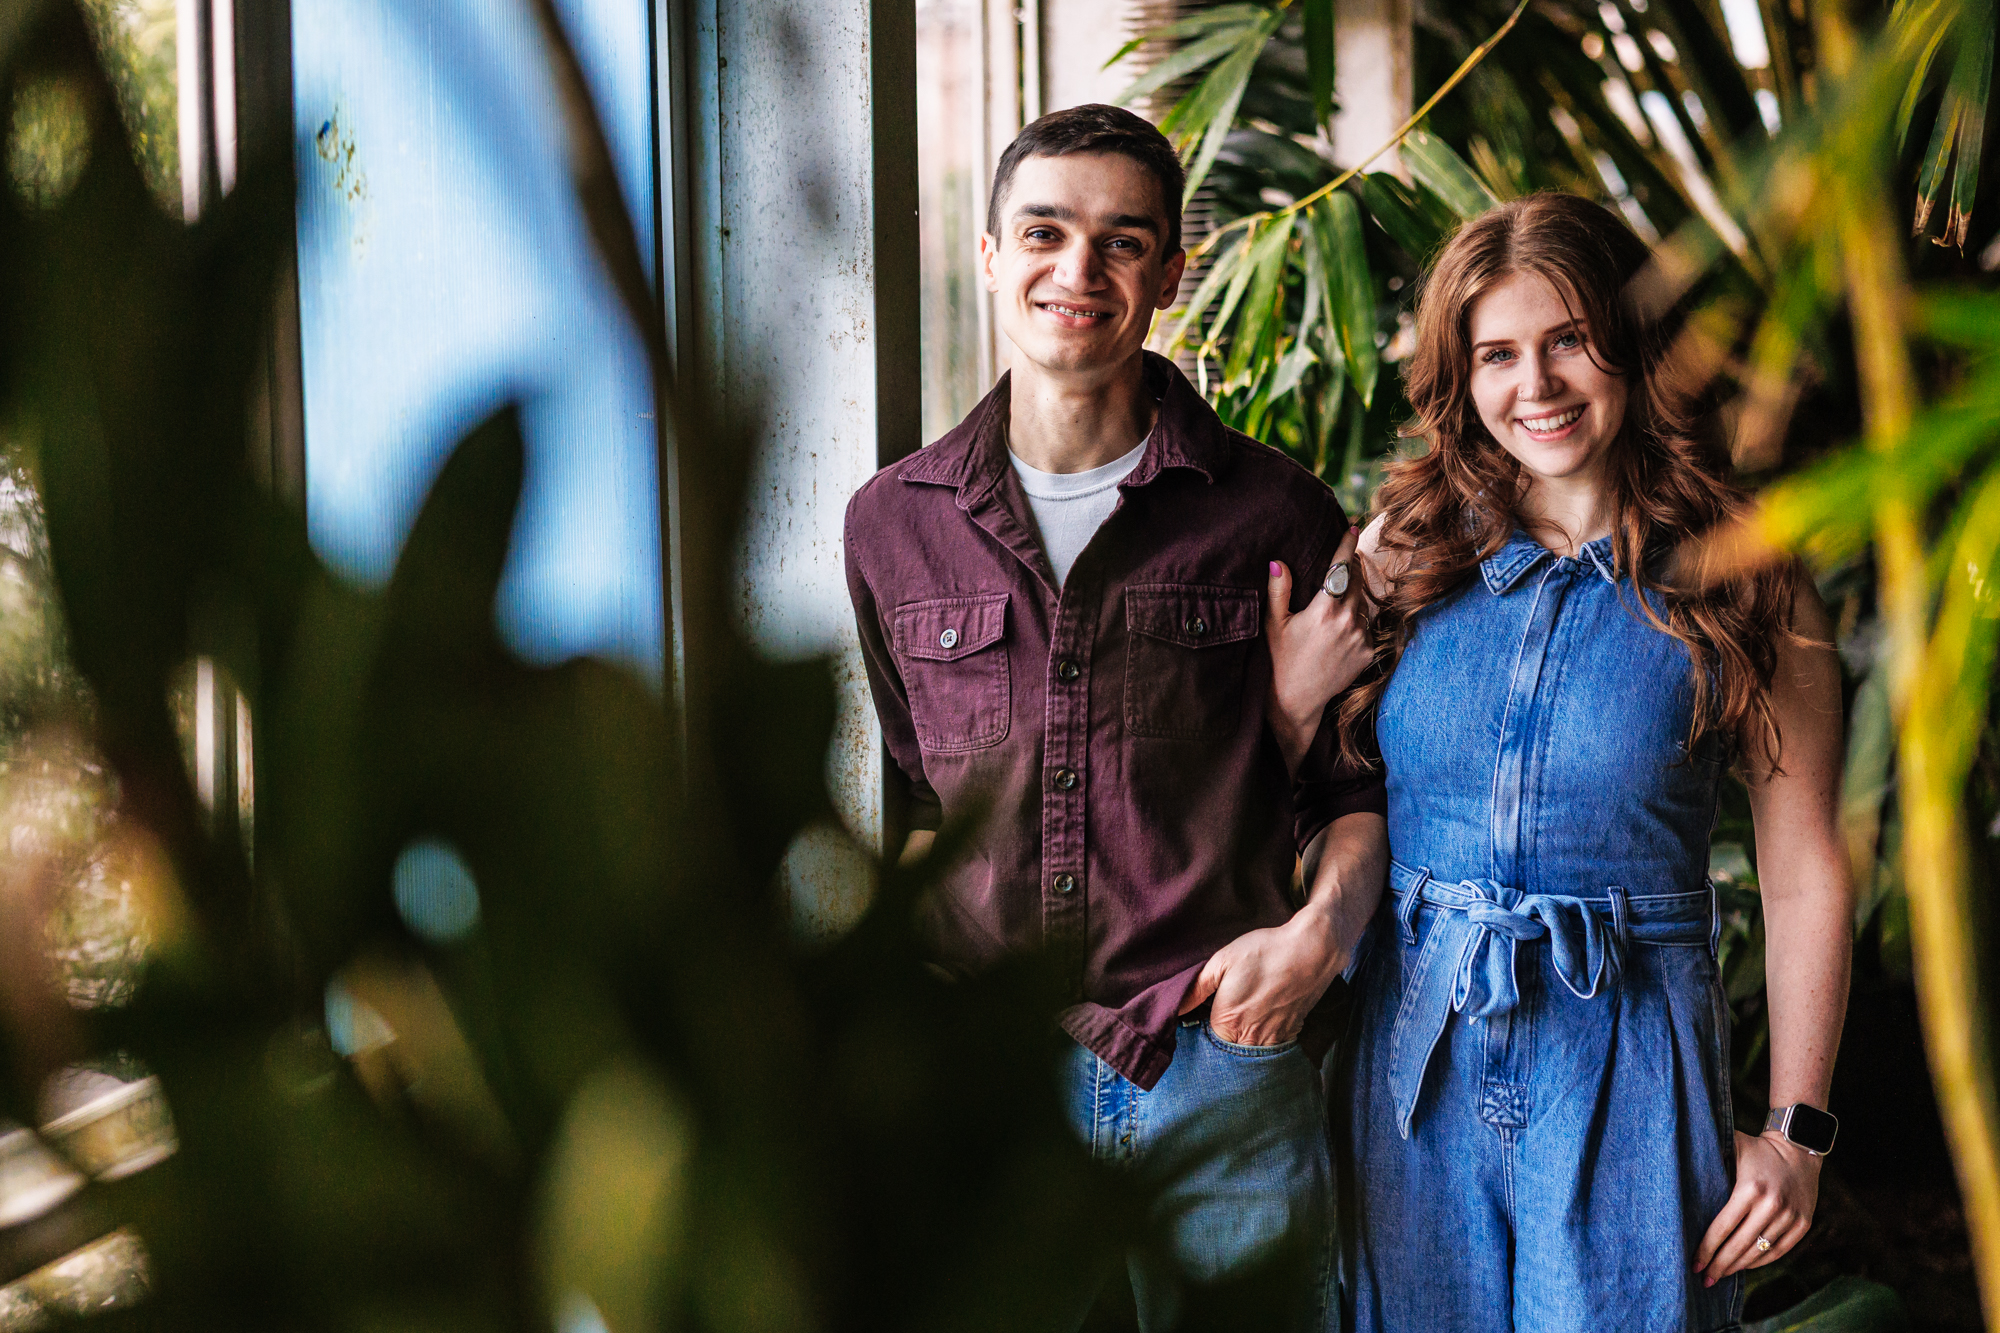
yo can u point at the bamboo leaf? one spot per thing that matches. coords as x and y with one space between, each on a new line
1445 174
1337 227
1265 291
1919 22
1219 272
1966 319
1194 25
1830 506
1396 212
1332 392
1317 297
1195 114
1185 61
1319 58
1960 131
1213 104
1972 134
1292 369
1241 279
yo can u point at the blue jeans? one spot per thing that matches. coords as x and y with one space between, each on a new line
1231 1148
1536 1106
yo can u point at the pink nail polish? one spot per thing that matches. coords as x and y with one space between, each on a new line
1275 568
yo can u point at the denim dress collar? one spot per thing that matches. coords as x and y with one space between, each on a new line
1505 567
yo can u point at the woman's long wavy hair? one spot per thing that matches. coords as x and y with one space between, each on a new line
1460 502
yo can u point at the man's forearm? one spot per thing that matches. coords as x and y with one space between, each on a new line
1345 868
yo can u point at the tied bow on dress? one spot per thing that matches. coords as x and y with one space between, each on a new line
1468 964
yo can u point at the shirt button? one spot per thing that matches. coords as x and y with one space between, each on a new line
1066 779
1064 883
1067 670
948 639
1196 626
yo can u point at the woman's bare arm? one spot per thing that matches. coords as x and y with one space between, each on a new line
1808 897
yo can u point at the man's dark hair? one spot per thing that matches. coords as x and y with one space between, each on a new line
1096 128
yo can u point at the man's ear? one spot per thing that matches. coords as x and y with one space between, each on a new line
1170 281
989 250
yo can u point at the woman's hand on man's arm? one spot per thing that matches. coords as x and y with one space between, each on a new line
1316 653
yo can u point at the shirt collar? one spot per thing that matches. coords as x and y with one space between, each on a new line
972 456
1521 553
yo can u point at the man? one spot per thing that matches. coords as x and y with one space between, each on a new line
1059 608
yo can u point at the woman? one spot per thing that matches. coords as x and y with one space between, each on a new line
1536 1091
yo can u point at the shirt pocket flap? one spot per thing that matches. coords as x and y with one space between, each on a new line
948 628
1192 615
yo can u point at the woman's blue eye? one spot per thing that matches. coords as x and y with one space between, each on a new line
1568 340
1496 354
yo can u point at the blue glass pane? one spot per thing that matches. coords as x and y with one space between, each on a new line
443 268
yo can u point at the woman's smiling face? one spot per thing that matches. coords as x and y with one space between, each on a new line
1541 389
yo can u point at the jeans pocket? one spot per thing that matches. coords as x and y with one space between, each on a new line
953 653
1250 1052
1187 655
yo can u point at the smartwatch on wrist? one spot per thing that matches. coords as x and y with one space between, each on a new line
1807 1126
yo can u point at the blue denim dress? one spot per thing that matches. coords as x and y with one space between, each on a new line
1536 1093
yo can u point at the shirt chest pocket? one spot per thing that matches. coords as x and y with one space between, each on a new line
953 653
1187 655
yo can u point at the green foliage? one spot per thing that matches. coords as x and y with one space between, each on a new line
1579 96
1847 1305
1959 134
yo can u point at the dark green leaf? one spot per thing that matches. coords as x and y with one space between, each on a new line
1213 104
1337 228
1234 251
1252 257
1976 65
1265 291
1965 319
1185 61
1319 57
1445 174
1194 25
1292 368
1846 1305
1395 211
1927 22
1961 125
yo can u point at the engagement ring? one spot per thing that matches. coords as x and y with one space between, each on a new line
1336 579
1763 1244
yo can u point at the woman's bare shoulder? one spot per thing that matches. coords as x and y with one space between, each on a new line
1383 565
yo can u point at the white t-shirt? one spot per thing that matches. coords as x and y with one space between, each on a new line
1070 506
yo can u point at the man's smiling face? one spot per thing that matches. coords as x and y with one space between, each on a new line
1081 262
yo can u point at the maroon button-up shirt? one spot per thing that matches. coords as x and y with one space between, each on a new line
1140 815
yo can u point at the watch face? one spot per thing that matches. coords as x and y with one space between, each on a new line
1812 1129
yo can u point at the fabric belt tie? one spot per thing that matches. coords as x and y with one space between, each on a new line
1468 961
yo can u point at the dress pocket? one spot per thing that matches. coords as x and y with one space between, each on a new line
954 658
1188 650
